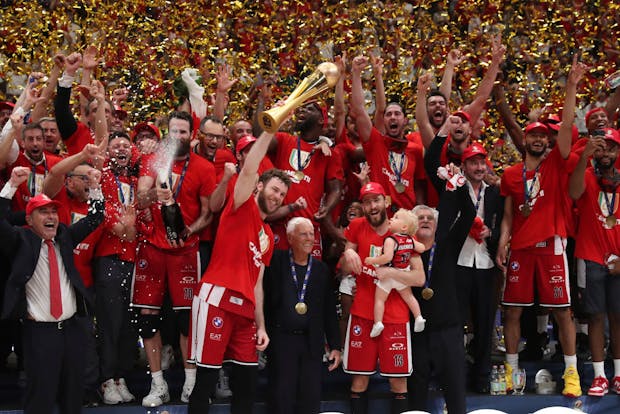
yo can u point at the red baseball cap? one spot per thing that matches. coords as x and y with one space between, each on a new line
7 105
612 135
121 113
38 201
244 142
553 122
463 115
473 150
536 126
142 126
372 188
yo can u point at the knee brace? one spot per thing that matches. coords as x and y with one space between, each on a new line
148 325
183 321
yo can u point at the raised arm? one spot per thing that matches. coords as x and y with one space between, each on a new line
380 102
340 110
564 140
577 183
512 127
56 178
454 58
246 182
97 91
89 64
362 120
67 124
224 83
475 108
421 112
40 109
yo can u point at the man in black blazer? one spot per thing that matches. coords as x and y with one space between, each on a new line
300 313
44 290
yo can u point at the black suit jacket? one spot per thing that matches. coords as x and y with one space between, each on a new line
493 201
23 246
281 295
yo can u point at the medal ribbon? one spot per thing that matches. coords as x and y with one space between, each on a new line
397 171
301 295
480 194
610 207
526 191
299 166
32 179
121 195
430 266
178 189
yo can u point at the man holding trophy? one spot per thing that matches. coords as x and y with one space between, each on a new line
228 322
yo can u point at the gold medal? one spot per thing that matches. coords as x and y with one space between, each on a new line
299 175
526 210
399 187
610 221
301 308
427 293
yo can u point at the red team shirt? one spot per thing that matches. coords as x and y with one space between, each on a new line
594 239
34 184
370 244
547 200
384 165
198 181
242 245
78 140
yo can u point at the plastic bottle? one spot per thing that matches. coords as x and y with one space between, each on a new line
502 380
494 386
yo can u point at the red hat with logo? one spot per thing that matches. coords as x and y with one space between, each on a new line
473 150
38 201
553 122
244 142
612 135
593 111
145 126
536 127
372 188
463 115
7 105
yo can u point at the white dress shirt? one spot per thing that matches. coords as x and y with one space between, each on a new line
474 254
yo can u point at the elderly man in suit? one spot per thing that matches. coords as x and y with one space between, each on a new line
44 290
300 312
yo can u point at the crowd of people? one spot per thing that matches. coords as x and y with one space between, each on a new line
328 239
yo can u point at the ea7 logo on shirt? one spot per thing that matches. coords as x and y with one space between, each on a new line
215 337
357 330
217 322
356 344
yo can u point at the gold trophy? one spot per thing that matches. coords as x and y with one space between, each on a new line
324 77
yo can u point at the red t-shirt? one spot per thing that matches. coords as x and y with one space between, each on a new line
72 211
118 195
318 171
198 181
242 244
34 184
384 165
595 240
370 244
78 140
548 194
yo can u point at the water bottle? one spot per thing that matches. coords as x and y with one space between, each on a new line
502 380
173 219
494 381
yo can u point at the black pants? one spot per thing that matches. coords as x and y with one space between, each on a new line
440 352
294 375
116 335
476 290
54 365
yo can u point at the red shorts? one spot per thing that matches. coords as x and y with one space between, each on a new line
217 335
156 268
392 348
528 269
281 242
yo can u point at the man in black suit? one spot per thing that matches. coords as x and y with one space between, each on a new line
44 290
300 311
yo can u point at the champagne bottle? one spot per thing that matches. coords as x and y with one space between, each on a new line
173 219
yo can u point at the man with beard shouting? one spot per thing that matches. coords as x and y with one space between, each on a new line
227 314
365 236
535 222
162 262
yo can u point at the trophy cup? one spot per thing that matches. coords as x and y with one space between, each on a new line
324 77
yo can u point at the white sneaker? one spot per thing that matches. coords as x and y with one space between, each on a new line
109 393
157 396
167 357
121 386
222 389
377 328
187 392
418 324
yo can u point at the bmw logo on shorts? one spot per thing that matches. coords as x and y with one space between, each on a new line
357 330
217 322
142 264
515 266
